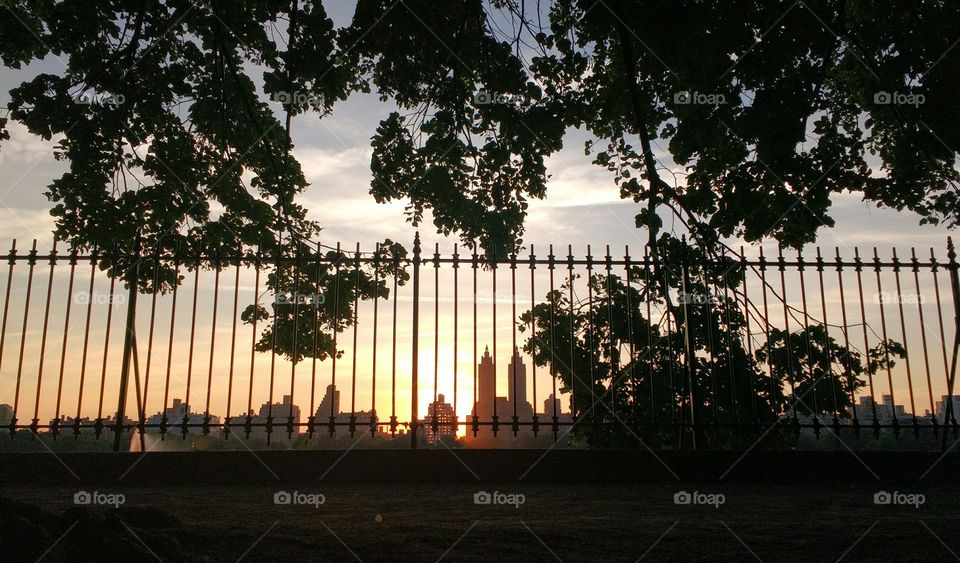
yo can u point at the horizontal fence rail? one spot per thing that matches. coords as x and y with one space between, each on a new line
414 350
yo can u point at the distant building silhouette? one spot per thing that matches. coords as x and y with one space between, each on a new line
886 411
445 424
940 407
330 404
175 417
546 417
488 404
330 407
281 412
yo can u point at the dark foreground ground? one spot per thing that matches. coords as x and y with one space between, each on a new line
431 523
431 518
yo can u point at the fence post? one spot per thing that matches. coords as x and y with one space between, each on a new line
689 356
128 343
948 413
414 375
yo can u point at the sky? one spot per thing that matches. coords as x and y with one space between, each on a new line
582 207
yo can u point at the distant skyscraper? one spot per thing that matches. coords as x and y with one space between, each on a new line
505 408
281 412
446 420
331 404
330 399
486 385
517 379
550 403
940 409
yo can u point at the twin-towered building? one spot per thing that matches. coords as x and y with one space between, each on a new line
515 404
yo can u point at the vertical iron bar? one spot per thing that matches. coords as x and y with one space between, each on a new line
32 261
652 346
334 402
66 334
632 396
828 358
786 327
851 382
903 333
688 352
353 372
553 348
193 331
749 336
934 269
129 342
729 343
806 331
915 266
948 414
86 341
238 259
475 422
674 394
456 332
150 333
436 337
12 261
318 300
614 366
213 337
707 297
513 350
373 369
106 346
415 335
278 268
592 380
173 319
43 337
295 341
886 351
774 386
575 415
533 341
393 360
495 421
866 344
257 263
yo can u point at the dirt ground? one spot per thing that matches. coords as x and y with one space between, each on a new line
434 523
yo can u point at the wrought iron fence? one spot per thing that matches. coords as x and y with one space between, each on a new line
735 346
